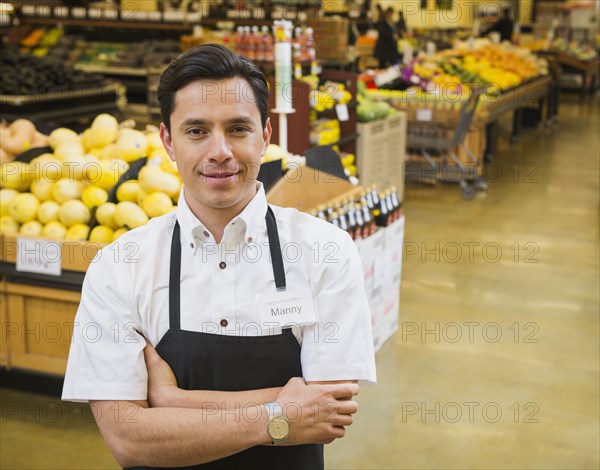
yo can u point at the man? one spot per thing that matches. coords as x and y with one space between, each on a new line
237 319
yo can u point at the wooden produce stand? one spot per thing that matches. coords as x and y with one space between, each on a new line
588 69
481 138
37 310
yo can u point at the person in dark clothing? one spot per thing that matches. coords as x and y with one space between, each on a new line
401 27
503 25
386 47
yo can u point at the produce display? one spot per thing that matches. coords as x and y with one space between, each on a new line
450 76
24 74
493 67
151 53
575 49
58 195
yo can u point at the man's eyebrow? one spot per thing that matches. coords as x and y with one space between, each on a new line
205 122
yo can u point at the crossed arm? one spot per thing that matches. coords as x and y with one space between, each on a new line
176 427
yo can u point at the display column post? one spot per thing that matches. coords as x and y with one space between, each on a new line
283 76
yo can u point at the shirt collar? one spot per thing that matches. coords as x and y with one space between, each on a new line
251 220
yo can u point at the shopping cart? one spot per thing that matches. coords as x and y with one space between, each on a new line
434 144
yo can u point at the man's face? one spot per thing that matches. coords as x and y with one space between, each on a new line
217 141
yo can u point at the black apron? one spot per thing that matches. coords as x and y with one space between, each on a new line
203 361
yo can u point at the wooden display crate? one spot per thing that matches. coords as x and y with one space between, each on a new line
381 151
37 327
304 188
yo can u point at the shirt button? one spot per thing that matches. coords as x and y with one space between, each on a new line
224 323
250 239
192 246
222 265
206 234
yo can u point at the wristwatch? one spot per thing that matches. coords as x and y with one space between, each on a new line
277 426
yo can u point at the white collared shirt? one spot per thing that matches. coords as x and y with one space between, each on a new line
127 287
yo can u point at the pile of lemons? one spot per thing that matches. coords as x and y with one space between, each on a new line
57 194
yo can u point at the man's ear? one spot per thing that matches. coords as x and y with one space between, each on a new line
267 131
166 140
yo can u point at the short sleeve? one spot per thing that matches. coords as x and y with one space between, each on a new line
340 345
106 360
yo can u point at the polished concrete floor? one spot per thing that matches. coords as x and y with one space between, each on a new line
496 360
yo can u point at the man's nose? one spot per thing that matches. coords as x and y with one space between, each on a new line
219 147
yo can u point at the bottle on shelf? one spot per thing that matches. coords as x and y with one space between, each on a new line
381 211
342 220
238 40
369 221
311 53
322 211
352 223
396 203
268 44
334 219
360 224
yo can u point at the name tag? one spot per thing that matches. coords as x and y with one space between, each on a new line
285 309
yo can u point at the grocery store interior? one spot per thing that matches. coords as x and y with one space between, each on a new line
462 138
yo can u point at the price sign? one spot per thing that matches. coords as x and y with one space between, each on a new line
38 256
342 112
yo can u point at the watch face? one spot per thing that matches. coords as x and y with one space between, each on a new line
278 428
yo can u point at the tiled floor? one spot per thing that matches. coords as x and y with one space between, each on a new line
496 362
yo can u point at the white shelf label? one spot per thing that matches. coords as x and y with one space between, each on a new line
342 112
38 256
425 114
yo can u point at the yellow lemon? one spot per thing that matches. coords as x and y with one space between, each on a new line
104 130
46 167
94 196
132 145
129 191
117 233
68 150
62 135
33 228
54 230
8 225
16 175
24 207
129 215
152 178
77 232
86 140
48 211
102 234
66 189
6 196
105 215
157 204
42 189
107 172
74 212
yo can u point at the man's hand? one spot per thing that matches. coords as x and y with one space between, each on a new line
162 383
317 413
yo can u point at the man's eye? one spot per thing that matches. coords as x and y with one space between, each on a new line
240 130
195 132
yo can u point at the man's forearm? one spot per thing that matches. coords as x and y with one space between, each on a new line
137 435
211 400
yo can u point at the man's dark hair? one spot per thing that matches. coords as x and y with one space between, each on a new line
210 62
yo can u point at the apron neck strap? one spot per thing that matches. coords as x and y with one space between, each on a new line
175 267
275 248
175 280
